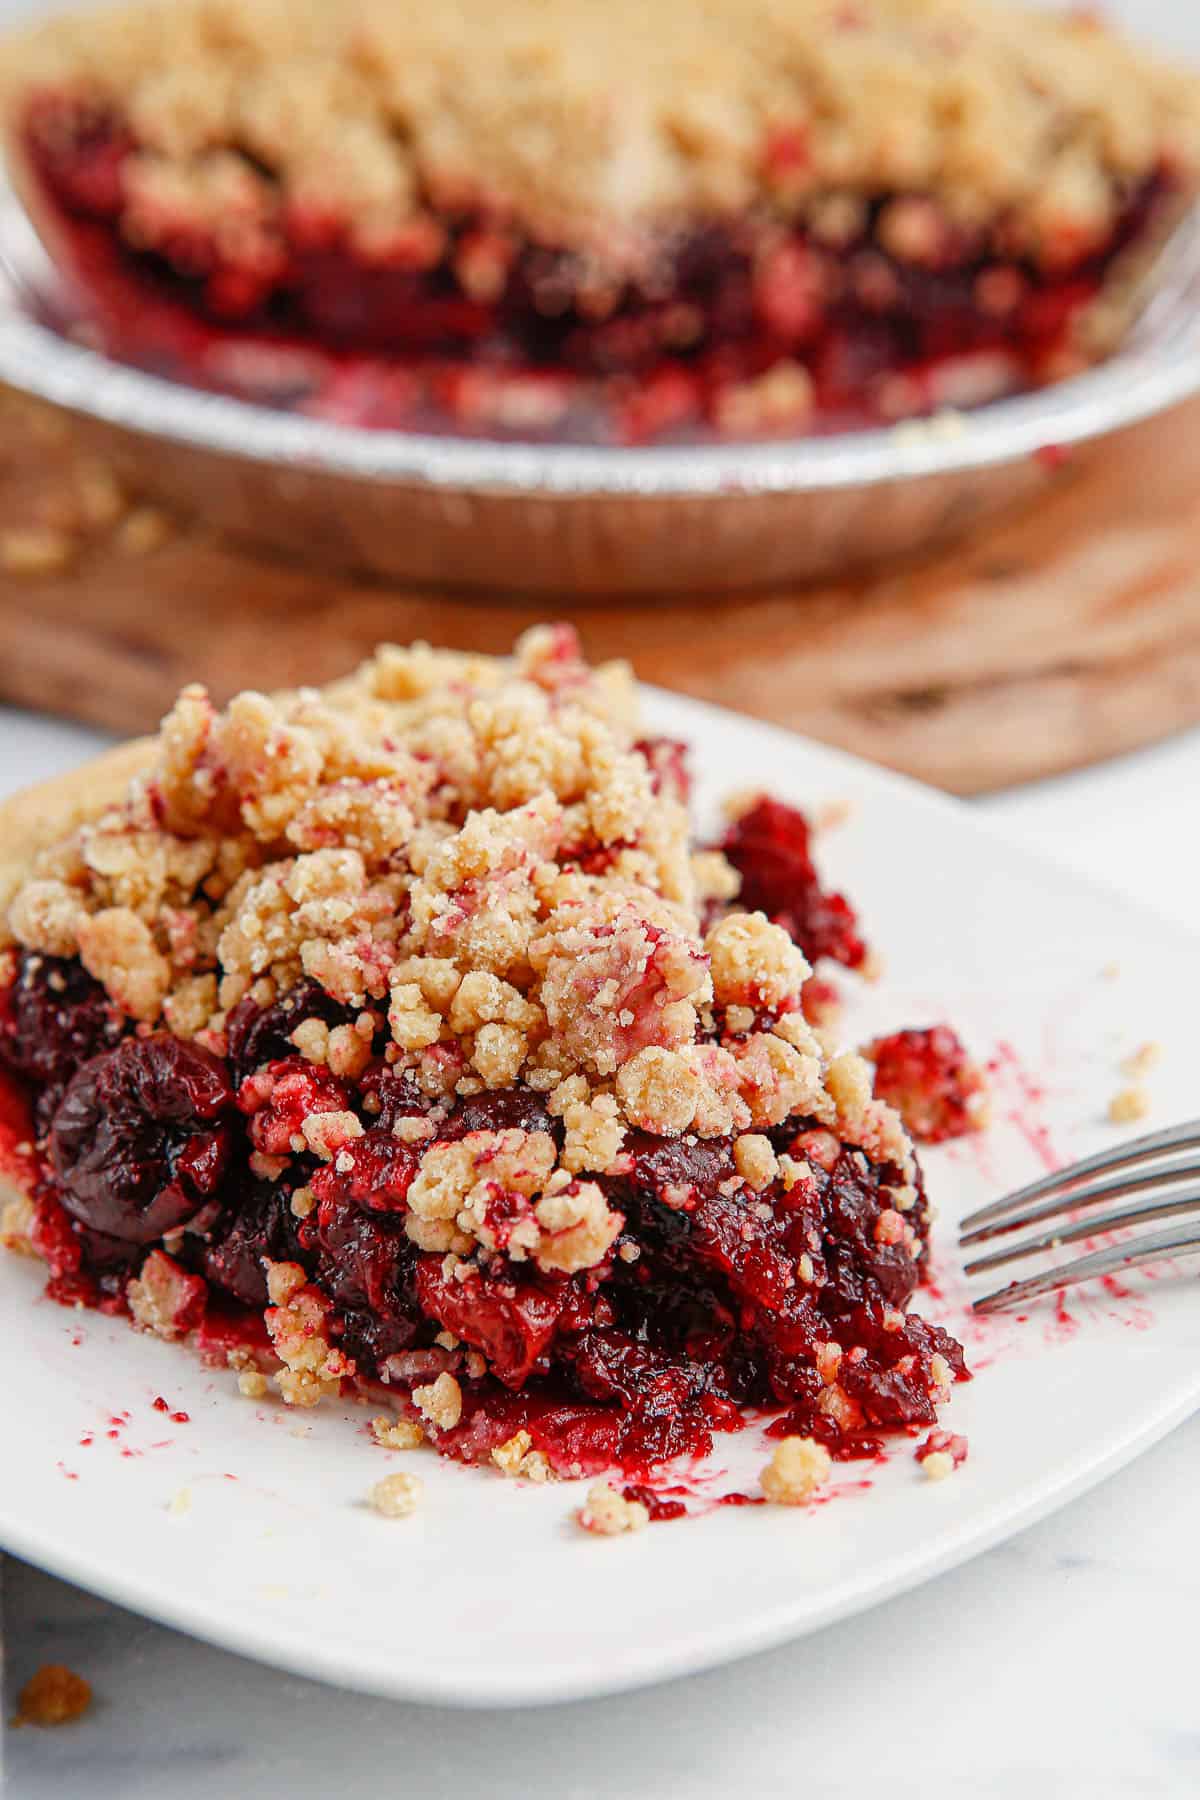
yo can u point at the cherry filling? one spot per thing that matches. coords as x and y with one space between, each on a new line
930 1080
52 1018
770 846
505 334
142 1138
714 1297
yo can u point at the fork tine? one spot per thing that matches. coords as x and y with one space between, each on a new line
1104 1162
1181 1204
1075 1197
1184 1241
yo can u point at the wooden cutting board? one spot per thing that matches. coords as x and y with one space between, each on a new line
1061 635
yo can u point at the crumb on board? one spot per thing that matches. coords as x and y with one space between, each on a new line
55 1695
100 496
180 1503
30 550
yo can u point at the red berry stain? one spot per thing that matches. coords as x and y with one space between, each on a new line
1066 1325
1137 1317
1021 1096
181 1418
841 1490
656 1504
160 1404
68 1474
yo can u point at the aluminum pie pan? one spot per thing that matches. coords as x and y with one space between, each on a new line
584 519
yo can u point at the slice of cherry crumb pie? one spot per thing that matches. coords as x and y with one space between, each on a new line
557 216
394 1037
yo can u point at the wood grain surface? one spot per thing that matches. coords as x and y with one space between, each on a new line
1063 634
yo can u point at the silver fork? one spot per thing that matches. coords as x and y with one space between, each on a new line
1081 1187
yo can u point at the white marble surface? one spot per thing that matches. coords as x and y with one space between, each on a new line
1061 1664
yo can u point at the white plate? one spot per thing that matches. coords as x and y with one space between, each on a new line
490 1595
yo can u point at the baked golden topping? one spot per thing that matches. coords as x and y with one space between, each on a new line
586 124
550 217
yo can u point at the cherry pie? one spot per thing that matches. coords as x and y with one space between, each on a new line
372 1039
553 216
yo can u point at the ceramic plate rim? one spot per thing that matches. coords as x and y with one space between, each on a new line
286 1648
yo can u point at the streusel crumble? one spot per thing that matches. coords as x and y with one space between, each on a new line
547 216
53 1695
395 1037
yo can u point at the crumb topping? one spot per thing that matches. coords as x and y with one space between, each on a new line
397 1434
54 1695
517 1457
163 1298
16 1225
440 1402
295 1320
471 857
592 127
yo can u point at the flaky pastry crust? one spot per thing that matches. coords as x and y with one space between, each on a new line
35 817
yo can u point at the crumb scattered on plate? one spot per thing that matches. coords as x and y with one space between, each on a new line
941 1454
797 1469
1128 1105
1142 1060
606 1513
396 1496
